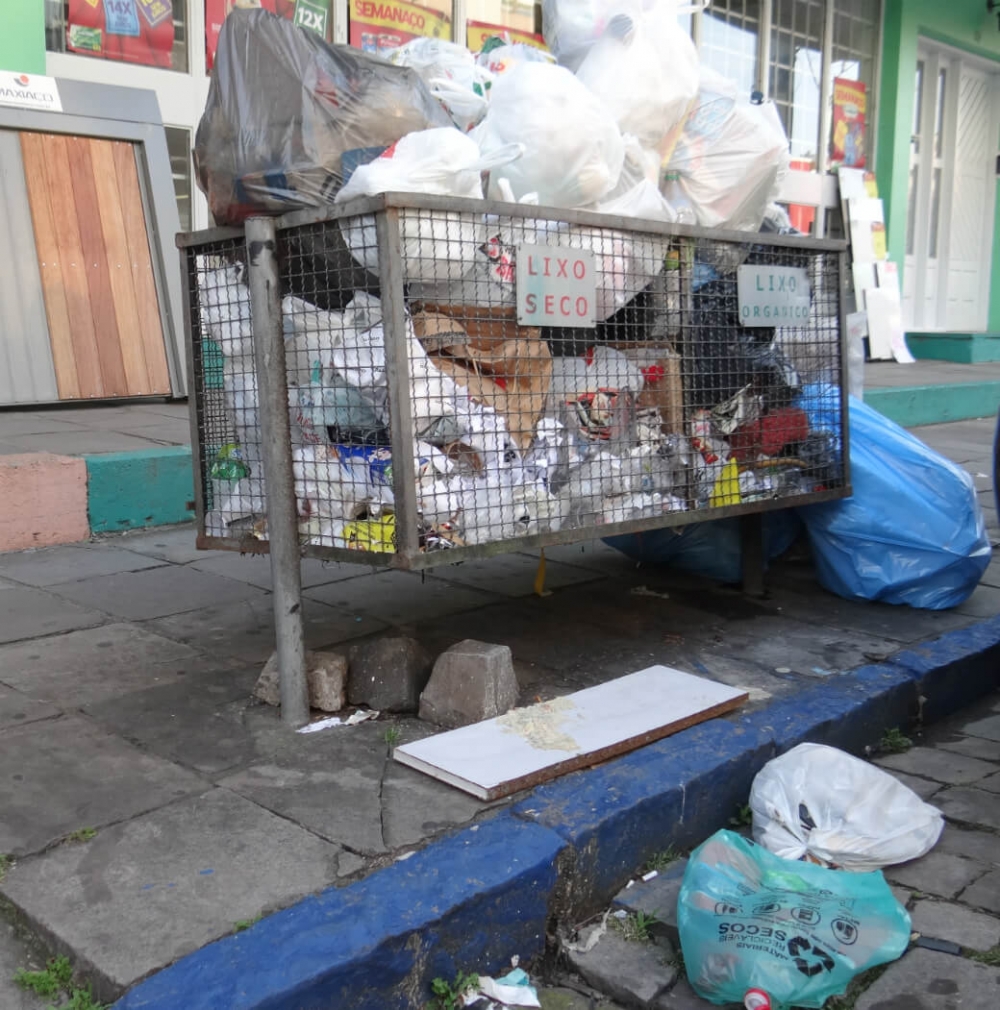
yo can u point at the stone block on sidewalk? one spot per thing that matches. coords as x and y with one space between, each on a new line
388 674
656 897
937 873
470 682
973 746
326 673
988 728
945 921
981 845
939 765
930 980
971 806
630 972
985 892
683 997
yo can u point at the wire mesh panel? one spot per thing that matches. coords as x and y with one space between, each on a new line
463 382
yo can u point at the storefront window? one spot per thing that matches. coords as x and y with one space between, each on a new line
151 33
314 15
796 73
729 40
179 148
521 19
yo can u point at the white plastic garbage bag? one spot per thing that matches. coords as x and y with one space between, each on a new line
501 58
645 69
442 162
822 804
573 149
452 76
731 156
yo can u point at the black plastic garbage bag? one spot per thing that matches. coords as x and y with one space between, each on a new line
283 108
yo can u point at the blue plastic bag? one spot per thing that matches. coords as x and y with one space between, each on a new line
912 532
751 920
711 549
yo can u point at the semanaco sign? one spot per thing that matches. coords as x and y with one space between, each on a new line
773 296
30 91
556 287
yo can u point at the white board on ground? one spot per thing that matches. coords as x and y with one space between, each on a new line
530 745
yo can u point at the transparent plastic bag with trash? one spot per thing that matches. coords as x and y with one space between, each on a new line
820 804
284 107
752 921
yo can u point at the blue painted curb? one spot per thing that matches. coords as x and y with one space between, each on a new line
471 900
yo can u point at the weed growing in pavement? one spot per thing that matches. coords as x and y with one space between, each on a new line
451 995
4 866
661 860
636 927
857 986
81 835
56 979
52 979
990 957
743 817
894 742
391 736
241 924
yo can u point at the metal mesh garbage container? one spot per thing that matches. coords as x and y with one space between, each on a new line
465 378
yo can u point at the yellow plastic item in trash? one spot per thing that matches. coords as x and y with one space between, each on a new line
377 535
727 487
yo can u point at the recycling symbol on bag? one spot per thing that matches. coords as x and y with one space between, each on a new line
799 946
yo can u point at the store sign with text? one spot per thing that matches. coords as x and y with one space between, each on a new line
379 26
313 15
30 91
131 31
556 287
477 33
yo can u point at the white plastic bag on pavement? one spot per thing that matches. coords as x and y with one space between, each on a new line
442 162
822 804
731 157
573 149
645 69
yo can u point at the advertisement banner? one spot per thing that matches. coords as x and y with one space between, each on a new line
477 32
313 15
132 31
379 26
850 104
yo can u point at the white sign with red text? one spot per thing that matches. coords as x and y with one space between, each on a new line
556 287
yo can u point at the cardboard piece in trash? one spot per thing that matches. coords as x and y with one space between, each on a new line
531 745
484 327
664 388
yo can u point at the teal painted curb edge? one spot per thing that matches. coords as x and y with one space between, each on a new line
910 406
129 490
963 348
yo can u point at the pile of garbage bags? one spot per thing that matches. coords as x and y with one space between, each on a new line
618 116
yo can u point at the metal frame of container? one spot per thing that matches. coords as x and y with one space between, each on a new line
262 238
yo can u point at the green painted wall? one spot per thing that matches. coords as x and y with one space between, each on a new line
22 40
965 24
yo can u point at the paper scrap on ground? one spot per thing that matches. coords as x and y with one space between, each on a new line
335 720
499 756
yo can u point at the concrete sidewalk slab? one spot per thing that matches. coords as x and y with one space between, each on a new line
195 720
87 666
162 885
17 709
971 806
66 774
50 566
157 592
510 574
16 954
245 631
30 613
399 598
930 980
255 569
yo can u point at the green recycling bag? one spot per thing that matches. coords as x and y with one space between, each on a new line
800 932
